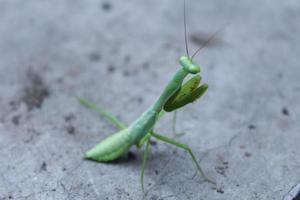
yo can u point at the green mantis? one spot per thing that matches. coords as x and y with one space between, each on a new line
175 95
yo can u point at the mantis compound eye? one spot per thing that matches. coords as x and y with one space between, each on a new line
194 69
188 65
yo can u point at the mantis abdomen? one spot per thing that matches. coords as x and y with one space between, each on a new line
111 147
117 144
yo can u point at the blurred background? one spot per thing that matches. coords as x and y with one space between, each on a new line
120 54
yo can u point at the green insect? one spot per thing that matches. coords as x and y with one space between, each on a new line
175 95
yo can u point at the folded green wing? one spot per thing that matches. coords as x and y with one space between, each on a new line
188 93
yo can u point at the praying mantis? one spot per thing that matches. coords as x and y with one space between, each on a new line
175 95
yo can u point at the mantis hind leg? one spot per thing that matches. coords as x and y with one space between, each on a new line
144 165
174 120
120 125
185 147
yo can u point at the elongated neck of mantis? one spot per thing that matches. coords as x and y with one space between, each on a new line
170 89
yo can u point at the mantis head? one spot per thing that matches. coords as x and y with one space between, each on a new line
188 65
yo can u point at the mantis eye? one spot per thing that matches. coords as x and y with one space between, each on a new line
188 93
194 69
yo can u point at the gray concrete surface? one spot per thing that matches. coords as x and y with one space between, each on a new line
245 130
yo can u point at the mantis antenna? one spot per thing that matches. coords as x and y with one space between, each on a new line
185 32
209 40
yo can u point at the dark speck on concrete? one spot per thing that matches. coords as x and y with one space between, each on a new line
94 57
140 100
220 190
13 104
35 90
121 192
43 166
247 154
29 139
221 170
69 117
145 65
60 80
285 111
126 73
251 127
70 129
127 59
225 163
111 68
280 75
106 6
16 119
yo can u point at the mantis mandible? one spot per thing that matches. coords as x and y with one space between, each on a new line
175 95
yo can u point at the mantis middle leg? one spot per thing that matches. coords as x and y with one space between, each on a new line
185 147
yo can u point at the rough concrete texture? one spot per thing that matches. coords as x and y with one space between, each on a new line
120 54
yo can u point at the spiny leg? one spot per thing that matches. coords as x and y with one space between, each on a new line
174 120
144 165
120 125
185 147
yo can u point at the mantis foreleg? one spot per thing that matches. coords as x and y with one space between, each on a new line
185 147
